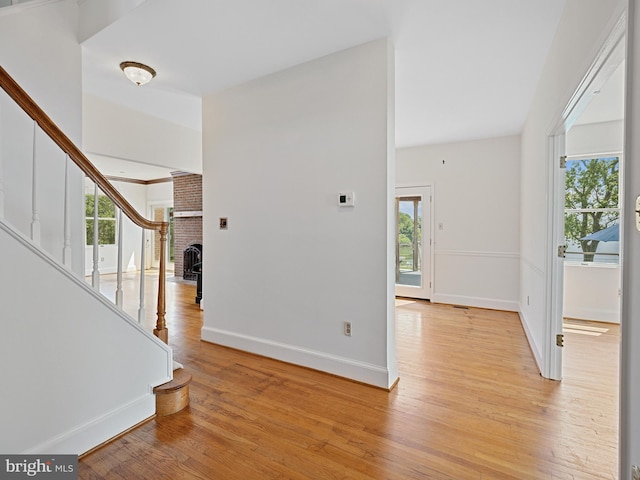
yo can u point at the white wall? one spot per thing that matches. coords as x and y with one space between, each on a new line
117 131
592 292
583 28
98 14
293 265
86 374
595 138
38 48
476 216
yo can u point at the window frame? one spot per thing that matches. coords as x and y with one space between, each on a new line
618 210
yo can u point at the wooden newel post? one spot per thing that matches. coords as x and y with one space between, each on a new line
161 325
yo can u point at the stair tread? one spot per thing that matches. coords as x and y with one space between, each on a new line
180 379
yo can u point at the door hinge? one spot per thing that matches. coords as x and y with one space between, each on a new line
563 161
562 250
560 340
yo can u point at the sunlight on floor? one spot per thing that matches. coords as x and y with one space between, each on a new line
583 329
403 301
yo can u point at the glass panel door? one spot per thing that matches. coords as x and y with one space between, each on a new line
412 242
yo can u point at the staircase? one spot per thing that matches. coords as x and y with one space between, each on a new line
83 370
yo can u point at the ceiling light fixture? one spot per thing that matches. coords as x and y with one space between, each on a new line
138 73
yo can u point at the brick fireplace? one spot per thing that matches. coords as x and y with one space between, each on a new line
187 222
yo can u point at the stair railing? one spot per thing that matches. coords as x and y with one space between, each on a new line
46 125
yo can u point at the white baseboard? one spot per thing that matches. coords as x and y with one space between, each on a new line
479 302
593 314
340 366
537 355
83 438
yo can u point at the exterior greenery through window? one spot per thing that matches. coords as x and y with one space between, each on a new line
409 233
106 220
592 204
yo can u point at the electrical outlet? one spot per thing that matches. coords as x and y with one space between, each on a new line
347 329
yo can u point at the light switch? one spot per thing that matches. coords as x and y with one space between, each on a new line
223 223
347 199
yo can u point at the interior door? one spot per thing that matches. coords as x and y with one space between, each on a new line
413 242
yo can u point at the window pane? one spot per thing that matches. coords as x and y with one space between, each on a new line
106 221
592 183
594 235
88 206
106 208
106 231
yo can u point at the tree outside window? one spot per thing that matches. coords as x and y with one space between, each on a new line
106 220
592 205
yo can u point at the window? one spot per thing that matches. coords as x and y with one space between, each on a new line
106 220
592 209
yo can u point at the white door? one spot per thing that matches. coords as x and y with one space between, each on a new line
413 242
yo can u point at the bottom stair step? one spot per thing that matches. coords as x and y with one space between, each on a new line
173 396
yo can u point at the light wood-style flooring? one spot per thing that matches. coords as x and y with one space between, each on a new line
470 404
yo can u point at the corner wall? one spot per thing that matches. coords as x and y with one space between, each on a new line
476 208
293 266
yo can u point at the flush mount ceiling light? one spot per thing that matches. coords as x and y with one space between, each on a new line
138 73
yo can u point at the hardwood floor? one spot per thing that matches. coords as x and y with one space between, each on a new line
470 404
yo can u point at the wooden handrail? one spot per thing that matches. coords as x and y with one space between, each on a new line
31 108
47 125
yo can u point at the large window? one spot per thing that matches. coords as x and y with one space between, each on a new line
106 219
592 209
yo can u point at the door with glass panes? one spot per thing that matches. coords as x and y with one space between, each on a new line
413 242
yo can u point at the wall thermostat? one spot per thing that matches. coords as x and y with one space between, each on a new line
347 199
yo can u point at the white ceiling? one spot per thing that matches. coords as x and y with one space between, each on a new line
465 69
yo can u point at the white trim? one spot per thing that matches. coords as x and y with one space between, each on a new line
99 430
554 278
478 302
324 362
537 355
187 213
591 156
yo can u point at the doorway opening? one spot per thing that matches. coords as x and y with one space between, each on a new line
161 213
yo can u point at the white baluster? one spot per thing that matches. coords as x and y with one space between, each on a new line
141 311
95 274
35 219
119 274
1 171
66 251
